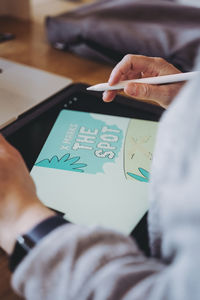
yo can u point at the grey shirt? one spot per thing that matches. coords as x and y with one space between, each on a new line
76 262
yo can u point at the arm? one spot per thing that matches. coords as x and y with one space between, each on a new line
20 207
75 262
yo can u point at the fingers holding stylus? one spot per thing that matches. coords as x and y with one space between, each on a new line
138 66
124 70
144 92
128 68
109 96
162 94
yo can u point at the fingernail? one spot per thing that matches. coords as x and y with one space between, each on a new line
110 79
104 96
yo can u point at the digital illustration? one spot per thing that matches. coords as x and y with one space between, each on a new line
86 146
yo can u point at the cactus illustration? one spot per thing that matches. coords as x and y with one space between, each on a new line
66 163
143 178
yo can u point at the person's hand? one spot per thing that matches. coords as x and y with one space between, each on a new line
138 66
20 208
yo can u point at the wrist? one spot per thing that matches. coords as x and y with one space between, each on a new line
29 217
25 243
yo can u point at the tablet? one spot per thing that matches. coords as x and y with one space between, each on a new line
90 160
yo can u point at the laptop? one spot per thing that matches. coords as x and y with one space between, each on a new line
23 87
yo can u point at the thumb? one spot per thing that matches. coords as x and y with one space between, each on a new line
3 141
143 91
3 144
6 147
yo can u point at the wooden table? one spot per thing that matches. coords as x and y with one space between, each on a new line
31 48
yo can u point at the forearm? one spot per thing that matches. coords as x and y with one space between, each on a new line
78 263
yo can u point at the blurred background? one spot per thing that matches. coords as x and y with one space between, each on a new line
37 9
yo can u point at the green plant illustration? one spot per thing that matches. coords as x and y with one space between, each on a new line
145 175
66 163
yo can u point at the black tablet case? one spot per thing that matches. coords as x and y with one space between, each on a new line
128 107
122 106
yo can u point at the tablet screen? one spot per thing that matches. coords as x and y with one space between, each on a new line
95 168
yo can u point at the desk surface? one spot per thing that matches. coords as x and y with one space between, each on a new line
31 48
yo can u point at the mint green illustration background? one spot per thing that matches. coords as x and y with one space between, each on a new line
58 149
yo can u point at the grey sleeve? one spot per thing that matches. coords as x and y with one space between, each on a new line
74 262
94 264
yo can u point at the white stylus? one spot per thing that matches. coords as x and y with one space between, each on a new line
150 80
